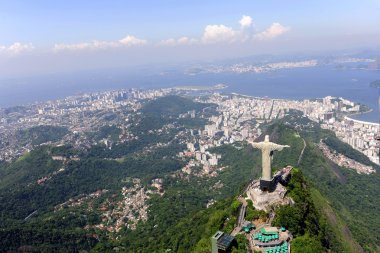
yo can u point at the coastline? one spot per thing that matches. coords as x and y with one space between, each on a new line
345 117
250 96
362 122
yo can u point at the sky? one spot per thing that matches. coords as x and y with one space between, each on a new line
40 37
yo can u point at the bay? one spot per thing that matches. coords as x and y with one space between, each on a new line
300 83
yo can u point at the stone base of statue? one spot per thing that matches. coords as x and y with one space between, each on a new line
268 185
266 199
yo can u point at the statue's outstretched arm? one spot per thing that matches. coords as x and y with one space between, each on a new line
256 144
278 147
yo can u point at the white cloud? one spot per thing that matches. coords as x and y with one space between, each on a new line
222 33
213 33
132 41
176 42
218 33
16 48
80 46
245 21
186 40
168 42
275 30
125 42
225 34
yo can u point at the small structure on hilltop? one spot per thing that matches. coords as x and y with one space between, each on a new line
247 227
222 242
271 239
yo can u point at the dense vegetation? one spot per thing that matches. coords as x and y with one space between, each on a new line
180 221
27 168
251 213
190 233
302 218
98 168
329 202
111 132
172 106
353 197
161 111
41 134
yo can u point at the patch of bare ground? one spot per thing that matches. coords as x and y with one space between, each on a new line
335 169
259 222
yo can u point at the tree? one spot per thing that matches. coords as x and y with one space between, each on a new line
306 244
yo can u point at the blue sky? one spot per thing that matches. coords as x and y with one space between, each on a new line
60 32
44 22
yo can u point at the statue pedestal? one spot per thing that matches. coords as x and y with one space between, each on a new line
269 186
264 200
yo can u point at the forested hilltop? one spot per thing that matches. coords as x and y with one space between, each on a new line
127 189
348 199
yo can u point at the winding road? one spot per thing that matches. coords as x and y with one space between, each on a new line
301 155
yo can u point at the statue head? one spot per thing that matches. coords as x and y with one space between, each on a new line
266 138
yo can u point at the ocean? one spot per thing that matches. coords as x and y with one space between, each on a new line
301 83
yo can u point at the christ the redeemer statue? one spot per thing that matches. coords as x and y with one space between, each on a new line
267 149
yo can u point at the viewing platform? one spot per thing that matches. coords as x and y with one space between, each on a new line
272 240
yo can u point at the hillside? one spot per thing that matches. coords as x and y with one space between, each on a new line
74 203
41 134
59 200
352 196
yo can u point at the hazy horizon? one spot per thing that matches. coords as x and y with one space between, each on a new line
44 37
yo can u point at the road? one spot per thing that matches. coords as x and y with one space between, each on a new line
241 216
300 157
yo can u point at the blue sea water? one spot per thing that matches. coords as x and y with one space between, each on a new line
299 83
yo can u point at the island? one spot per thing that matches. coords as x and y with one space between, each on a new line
375 84
201 88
